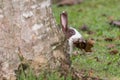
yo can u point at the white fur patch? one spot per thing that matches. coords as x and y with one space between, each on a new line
77 34
73 39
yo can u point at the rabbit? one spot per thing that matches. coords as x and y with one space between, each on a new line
72 35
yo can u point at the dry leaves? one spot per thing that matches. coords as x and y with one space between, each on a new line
114 51
109 39
110 46
89 45
86 28
80 75
86 46
69 2
115 23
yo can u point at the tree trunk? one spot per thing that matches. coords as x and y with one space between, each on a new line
28 30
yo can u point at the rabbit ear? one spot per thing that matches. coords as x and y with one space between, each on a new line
64 21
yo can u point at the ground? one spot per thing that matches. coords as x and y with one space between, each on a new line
104 61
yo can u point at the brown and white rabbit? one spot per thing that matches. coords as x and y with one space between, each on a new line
71 33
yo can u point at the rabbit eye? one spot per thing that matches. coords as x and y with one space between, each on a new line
72 32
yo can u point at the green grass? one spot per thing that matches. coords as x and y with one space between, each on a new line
91 12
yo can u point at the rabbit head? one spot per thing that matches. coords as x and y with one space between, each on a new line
71 33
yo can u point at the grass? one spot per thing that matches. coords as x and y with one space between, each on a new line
95 14
91 13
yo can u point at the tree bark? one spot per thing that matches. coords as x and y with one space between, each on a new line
28 29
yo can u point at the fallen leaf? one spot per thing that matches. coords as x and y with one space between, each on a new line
110 46
91 78
113 52
104 15
109 39
89 45
69 2
86 46
90 32
81 75
109 63
115 23
84 28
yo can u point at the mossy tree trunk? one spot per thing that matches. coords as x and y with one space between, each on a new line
28 28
